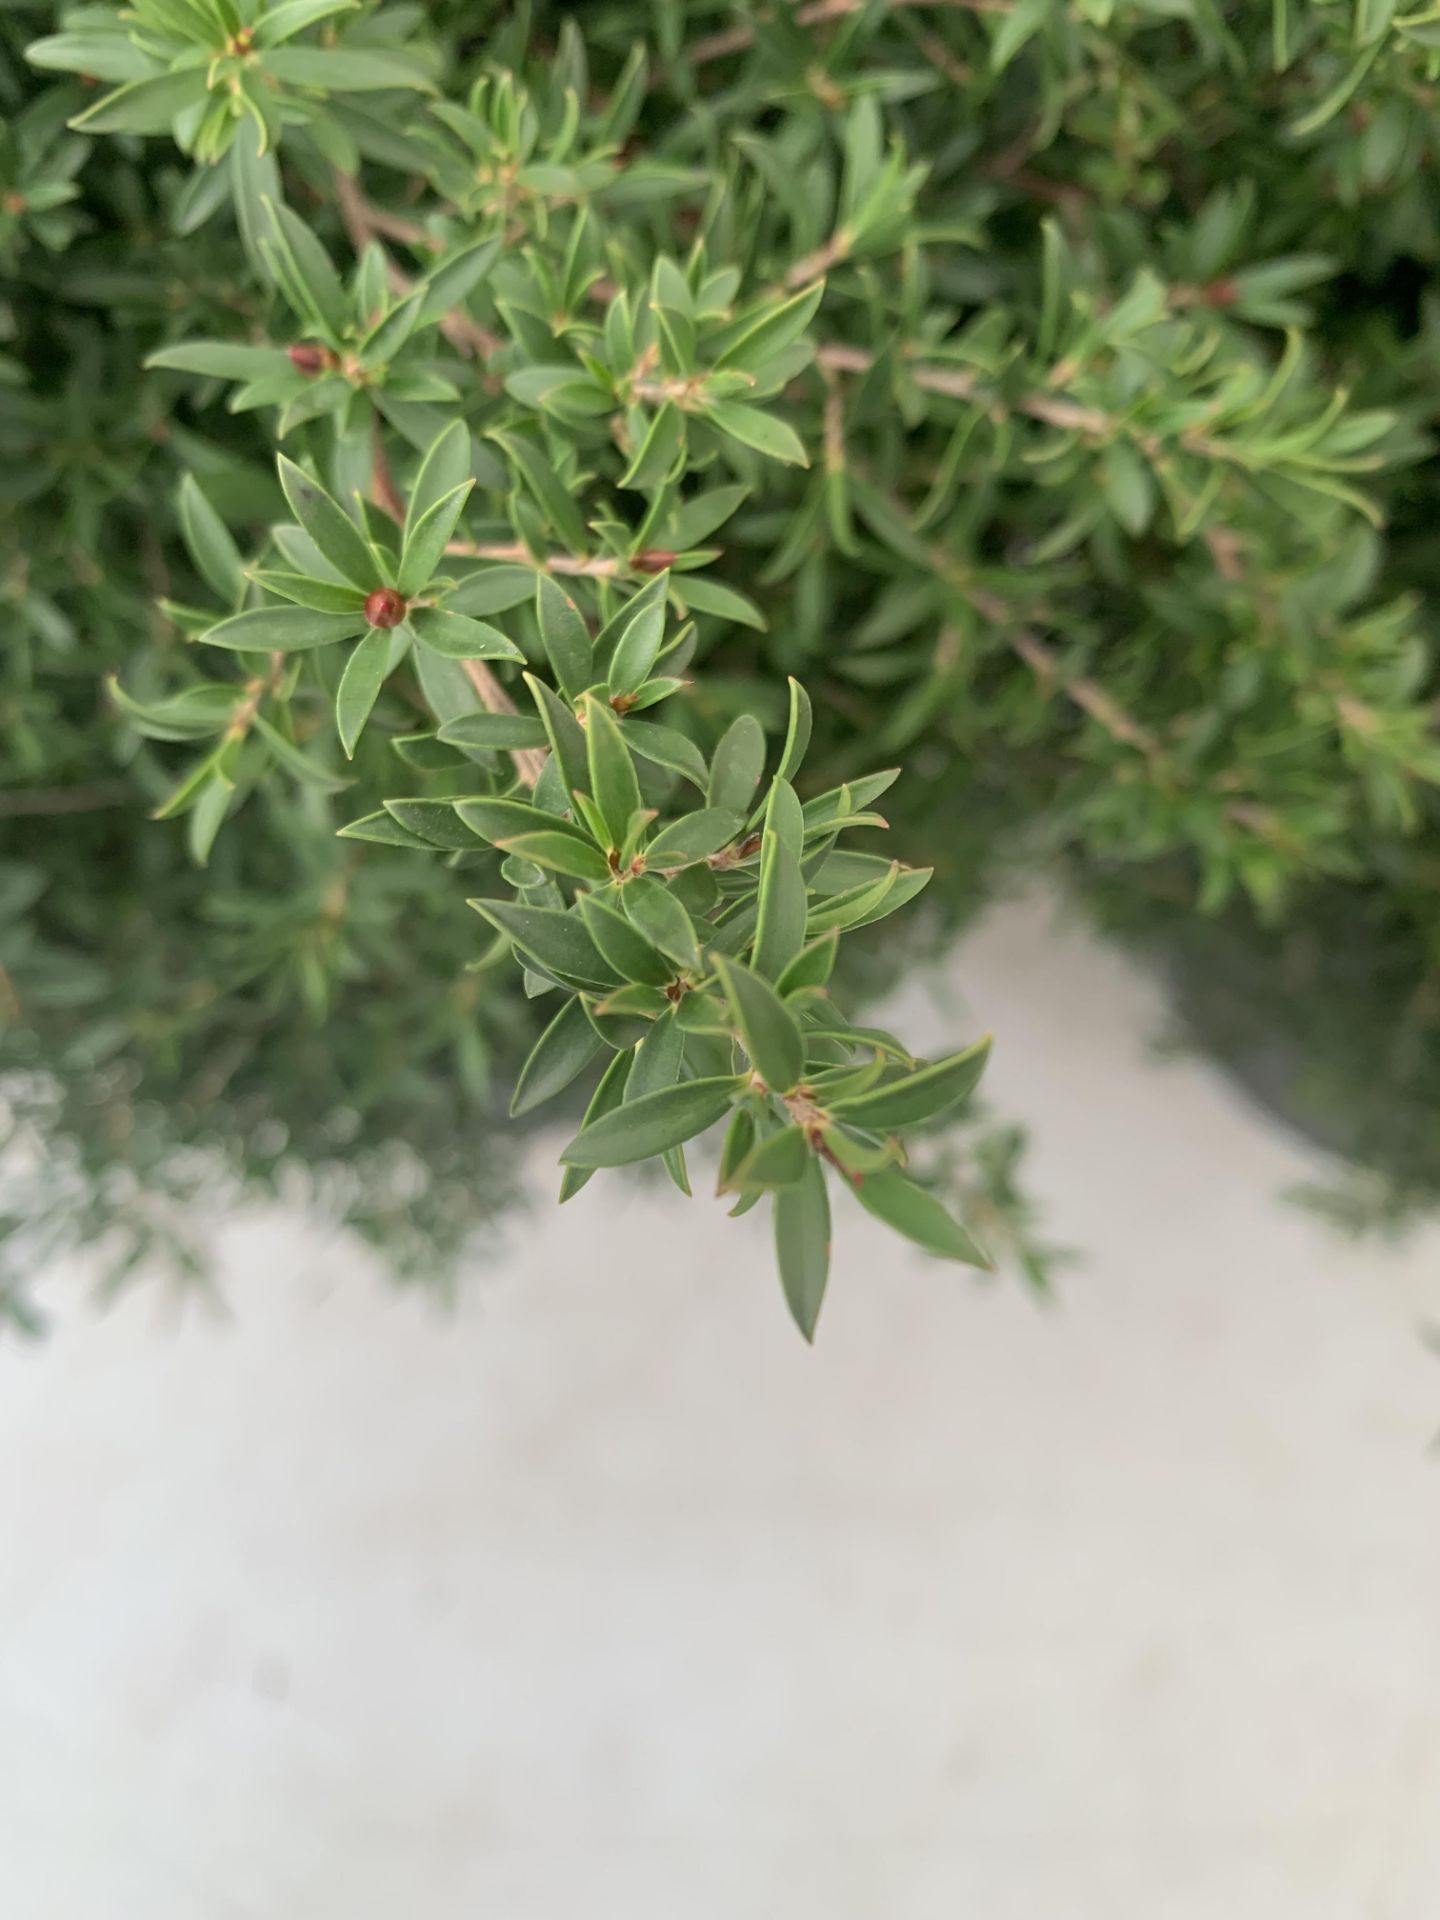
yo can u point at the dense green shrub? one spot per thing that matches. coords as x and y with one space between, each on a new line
1046 386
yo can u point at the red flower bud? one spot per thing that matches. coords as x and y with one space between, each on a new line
385 608
653 560
308 359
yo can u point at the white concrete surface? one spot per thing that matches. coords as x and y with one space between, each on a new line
606 1600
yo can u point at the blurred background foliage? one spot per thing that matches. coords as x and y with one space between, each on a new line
1116 533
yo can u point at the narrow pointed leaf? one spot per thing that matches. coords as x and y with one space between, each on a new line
557 940
640 1129
613 785
282 630
459 637
332 530
736 765
564 636
779 1160
780 922
360 686
650 906
911 1210
802 1245
606 1097
426 538
559 853
625 948
560 1055
445 467
768 1030
692 838
919 1096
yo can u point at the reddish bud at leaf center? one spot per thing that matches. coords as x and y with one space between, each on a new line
385 608
308 359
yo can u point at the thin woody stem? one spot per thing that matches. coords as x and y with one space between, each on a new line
600 567
529 761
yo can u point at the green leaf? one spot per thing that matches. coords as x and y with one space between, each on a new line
211 548
311 272
761 336
556 940
812 966
559 853
207 816
780 926
700 595
293 16
802 1245
1024 20
650 906
608 638
496 732
102 53
384 831
613 785
737 764
659 452
564 636
698 518
144 106
769 1031
797 734
360 686
426 540
779 1160
435 821
692 838
566 735
668 748
445 467
448 284
638 648
762 431
556 501
641 1128
606 1097
323 596
346 69
492 590
560 1055
625 948
222 360
332 530
294 761
919 1096
283 630
502 819
460 638
910 1210
784 817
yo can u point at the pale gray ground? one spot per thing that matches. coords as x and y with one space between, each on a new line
608 1601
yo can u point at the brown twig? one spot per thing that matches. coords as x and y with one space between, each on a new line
959 383
529 761
601 567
